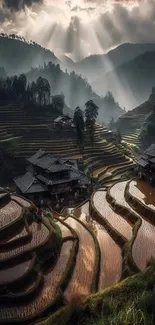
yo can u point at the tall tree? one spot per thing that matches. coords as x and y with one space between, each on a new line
22 82
91 113
79 124
58 102
43 91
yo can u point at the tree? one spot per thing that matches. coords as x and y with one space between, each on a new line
91 113
79 125
22 82
111 123
118 136
33 91
58 103
43 91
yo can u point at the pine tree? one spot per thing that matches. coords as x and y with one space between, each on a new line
91 113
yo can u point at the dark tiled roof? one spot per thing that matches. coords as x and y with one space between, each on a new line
36 156
50 163
62 118
45 161
28 183
151 150
59 119
142 162
58 168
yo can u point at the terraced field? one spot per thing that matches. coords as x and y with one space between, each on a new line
143 247
10 213
75 253
131 123
110 252
82 278
116 221
106 160
31 130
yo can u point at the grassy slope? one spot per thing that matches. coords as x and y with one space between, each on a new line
132 302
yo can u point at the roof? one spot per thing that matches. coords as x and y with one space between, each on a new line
142 162
62 118
28 183
36 156
50 163
150 151
59 119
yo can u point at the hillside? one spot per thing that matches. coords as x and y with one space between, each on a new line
136 126
96 65
77 90
54 262
28 54
131 82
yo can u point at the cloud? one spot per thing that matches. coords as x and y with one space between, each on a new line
18 4
79 27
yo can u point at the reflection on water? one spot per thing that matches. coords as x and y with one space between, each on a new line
145 193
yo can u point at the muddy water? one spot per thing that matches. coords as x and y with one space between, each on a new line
48 292
13 273
98 171
144 244
21 201
9 213
80 283
117 192
111 258
40 234
144 192
116 221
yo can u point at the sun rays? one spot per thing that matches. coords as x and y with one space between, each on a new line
79 28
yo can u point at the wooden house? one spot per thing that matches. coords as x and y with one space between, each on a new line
52 177
146 164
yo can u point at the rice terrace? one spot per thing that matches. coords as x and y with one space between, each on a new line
77 163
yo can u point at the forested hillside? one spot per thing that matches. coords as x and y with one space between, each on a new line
76 90
131 82
29 54
94 66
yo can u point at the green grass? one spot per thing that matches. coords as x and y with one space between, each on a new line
54 225
132 302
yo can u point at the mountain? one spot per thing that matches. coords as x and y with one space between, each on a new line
97 65
137 125
17 56
77 91
67 63
131 82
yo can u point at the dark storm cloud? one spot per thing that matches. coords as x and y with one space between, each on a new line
19 4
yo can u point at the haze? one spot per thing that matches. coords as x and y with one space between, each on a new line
79 28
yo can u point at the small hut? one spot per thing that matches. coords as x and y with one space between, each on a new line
146 164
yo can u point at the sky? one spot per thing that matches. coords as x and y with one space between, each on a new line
79 28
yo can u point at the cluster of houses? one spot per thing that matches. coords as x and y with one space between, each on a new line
146 164
55 179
